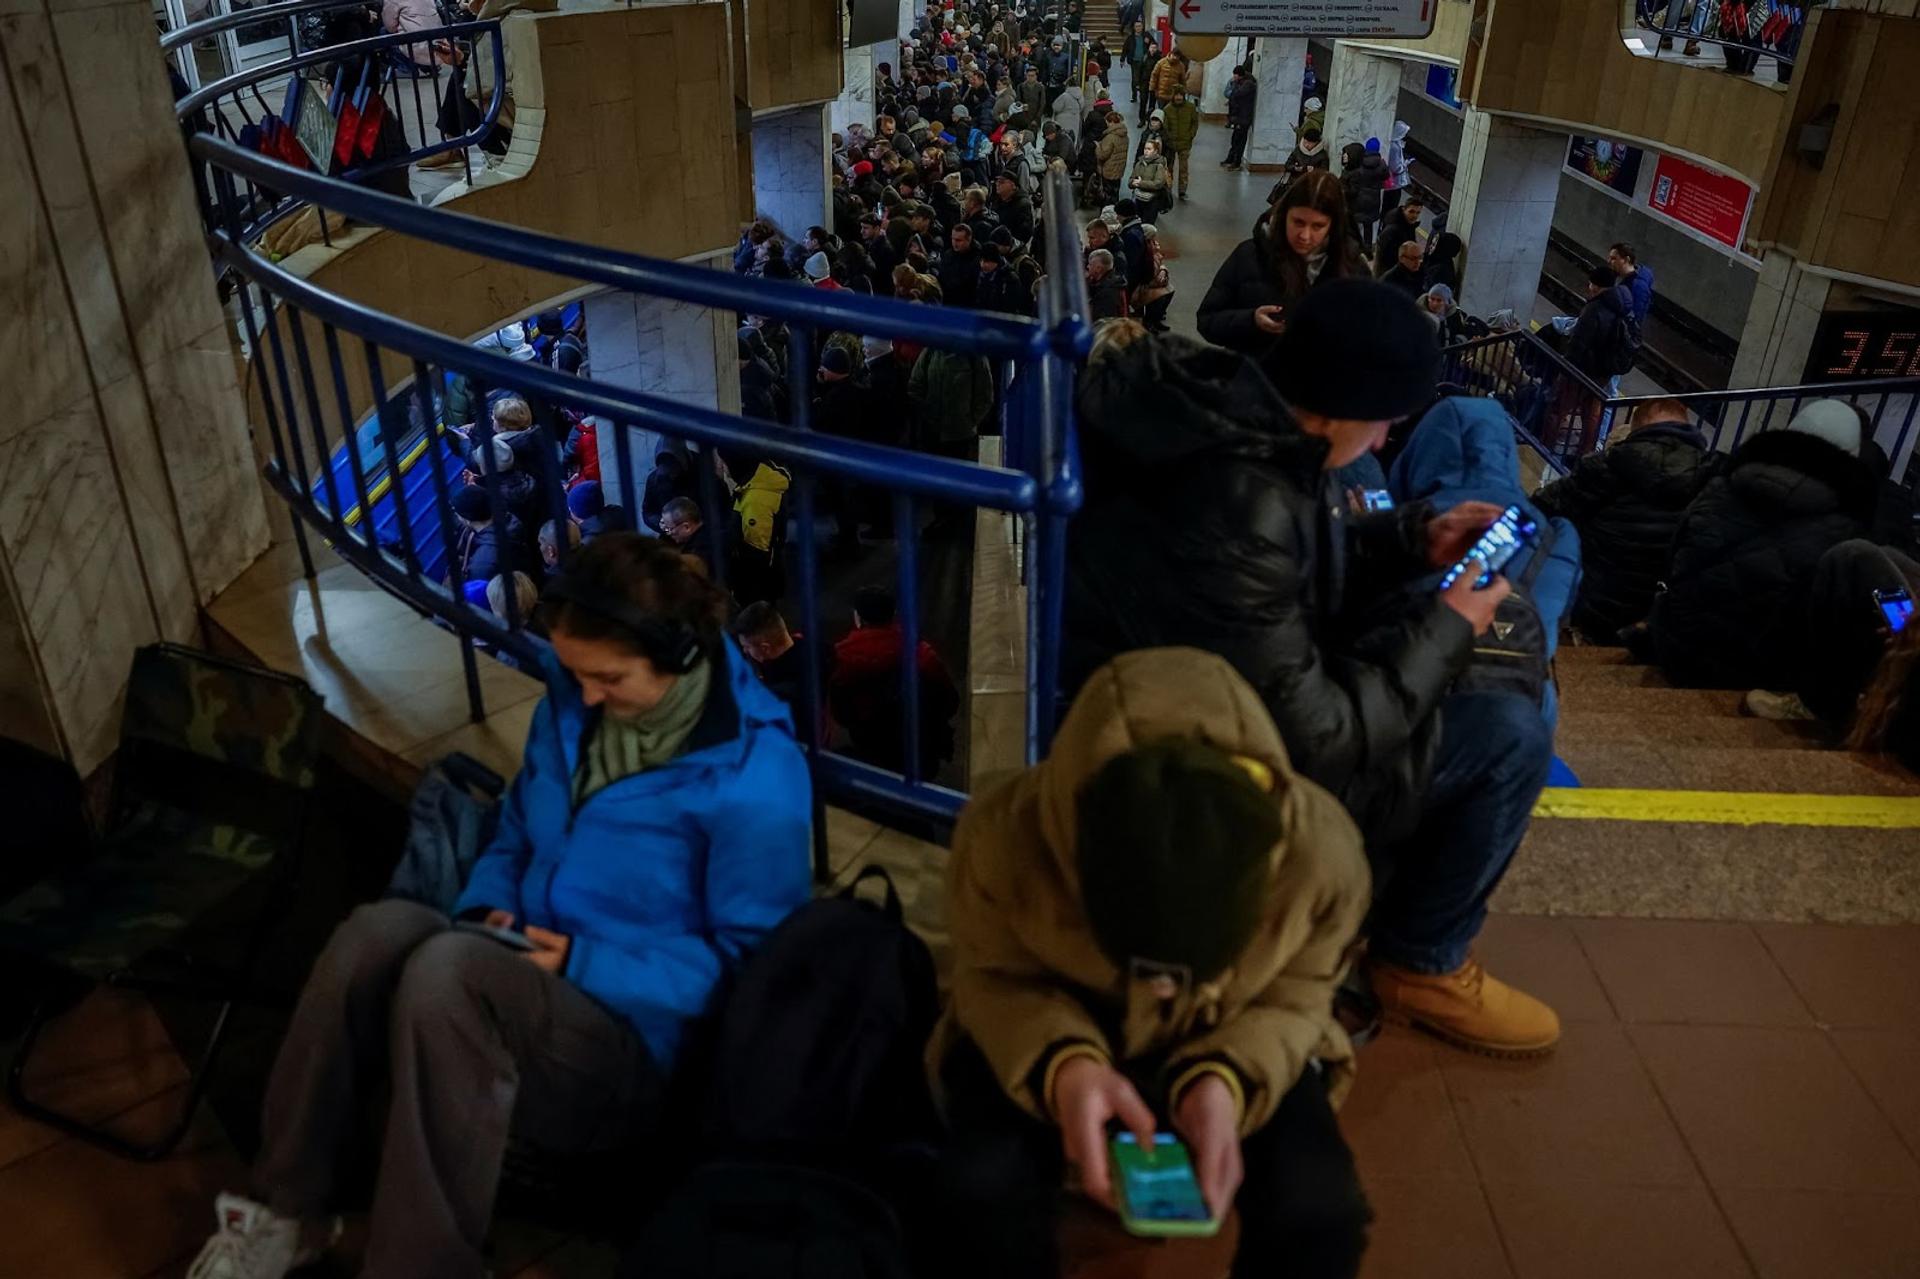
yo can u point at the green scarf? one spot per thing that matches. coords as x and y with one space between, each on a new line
619 748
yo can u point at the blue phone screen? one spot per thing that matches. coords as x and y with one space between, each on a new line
1897 606
1496 547
1158 1184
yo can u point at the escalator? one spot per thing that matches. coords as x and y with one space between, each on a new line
414 485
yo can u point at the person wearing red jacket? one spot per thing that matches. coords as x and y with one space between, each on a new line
863 692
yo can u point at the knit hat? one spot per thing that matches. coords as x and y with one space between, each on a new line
1354 349
1157 115
471 503
1442 292
961 113
1002 236
834 360
585 500
862 168
1314 104
991 253
1835 421
1373 146
1175 850
817 267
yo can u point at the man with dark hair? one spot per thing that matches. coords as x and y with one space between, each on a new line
681 524
863 691
778 654
1147 929
1241 92
1627 501
1332 617
1601 347
1397 228
1637 278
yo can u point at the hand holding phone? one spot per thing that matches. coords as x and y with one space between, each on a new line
503 933
1502 540
1896 607
1474 602
1156 1192
1270 319
1087 1095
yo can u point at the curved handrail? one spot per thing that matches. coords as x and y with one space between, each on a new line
247 18
998 335
200 97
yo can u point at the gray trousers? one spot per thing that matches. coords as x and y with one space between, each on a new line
475 1042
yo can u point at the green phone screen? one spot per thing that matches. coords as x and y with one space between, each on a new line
1157 1190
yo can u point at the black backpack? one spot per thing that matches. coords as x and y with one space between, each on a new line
820 1043
820 1115
1624 348
1512 656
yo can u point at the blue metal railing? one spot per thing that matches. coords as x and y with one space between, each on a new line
1562 415
324 360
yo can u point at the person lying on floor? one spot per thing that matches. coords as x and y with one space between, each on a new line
1147 929
658 829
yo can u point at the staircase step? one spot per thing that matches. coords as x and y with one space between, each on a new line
1661 766
1580 699
1604 728
1592 655
1611 675
1686 870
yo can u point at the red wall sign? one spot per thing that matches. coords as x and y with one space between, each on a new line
1700 198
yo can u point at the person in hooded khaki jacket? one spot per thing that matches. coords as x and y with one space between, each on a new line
1149 924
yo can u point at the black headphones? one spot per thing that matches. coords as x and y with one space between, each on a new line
673 646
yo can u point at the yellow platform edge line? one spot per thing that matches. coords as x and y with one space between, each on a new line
1729 808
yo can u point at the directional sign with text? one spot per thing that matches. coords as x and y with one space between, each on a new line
1356 19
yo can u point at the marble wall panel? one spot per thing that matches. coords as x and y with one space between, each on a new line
790 169
1277 69
1506 185
1364 97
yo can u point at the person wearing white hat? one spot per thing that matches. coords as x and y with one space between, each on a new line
1745 554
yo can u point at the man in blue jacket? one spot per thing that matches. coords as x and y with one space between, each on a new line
657 831
1636 278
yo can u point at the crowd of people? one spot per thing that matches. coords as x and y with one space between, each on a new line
1300 756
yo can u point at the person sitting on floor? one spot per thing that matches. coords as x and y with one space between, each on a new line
660 827
864 691
1147 930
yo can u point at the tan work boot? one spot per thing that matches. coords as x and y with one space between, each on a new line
1468 1008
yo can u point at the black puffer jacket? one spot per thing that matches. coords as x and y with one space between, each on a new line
1208 524
1627 501
1744 555
1250 278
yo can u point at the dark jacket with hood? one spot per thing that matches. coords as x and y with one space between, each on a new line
1366 184
1251 277
1209 524
1590 347
1627 502
1743 559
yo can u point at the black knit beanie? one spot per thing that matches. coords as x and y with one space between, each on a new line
1175 845
1357 350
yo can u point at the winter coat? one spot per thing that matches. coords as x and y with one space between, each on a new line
1264 565
1365 182
1138 54
664 879
1111 153
1028 977
951 392
1182 123
1463 450
1241 93
1743 559
1107 299
1033 102
1250 278
1590 347
1169 75
1003 290
863 693
1627 502
1397 156
1151 174
1068 109
1395 231
668 479
1640 286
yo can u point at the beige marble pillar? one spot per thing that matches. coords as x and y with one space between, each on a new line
129 495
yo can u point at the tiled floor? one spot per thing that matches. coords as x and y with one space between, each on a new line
1728 1100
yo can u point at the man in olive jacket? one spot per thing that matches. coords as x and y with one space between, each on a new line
1180 124
1149 924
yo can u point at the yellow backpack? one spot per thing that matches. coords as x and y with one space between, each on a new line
757 502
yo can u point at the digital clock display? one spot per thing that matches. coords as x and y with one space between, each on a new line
1865 344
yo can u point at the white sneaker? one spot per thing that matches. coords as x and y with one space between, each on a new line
1762 704
253 1242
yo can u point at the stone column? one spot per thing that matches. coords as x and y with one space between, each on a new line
1363 100
1787 304
1277 67
129 490
1213 94
1504 190
856 93
790 168
685 352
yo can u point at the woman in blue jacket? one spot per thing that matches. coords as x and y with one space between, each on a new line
658 829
